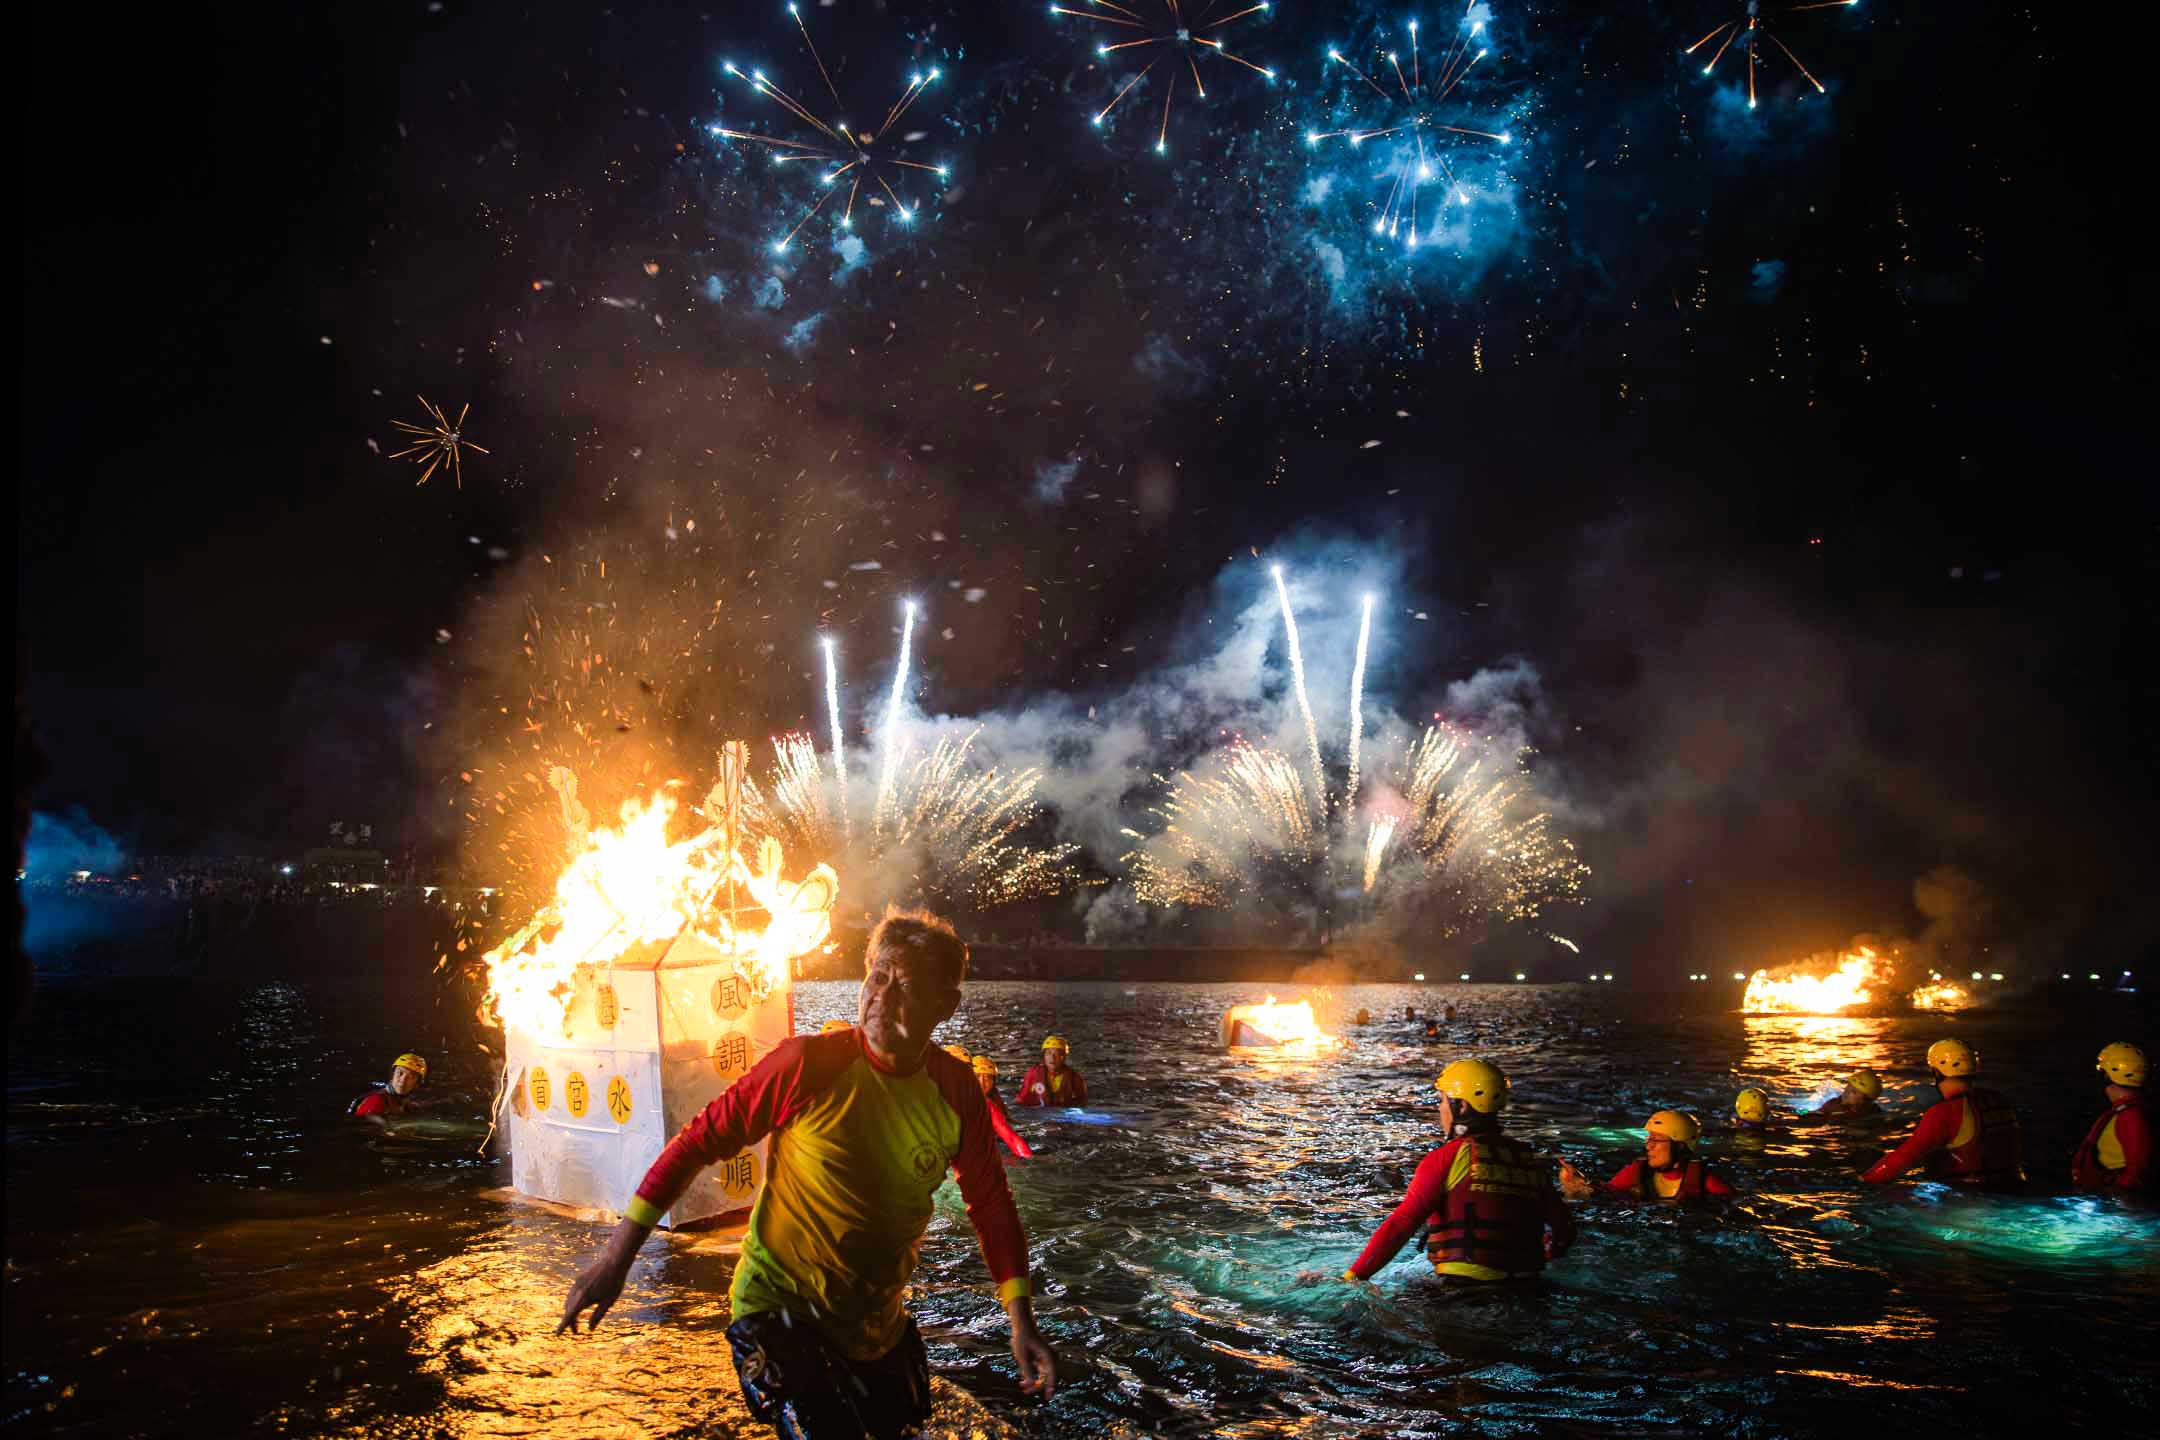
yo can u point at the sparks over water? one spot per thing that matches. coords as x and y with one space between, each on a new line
892 723
1407 110
1751 28
839 747
1357 711
1163 35
1297 680
857 154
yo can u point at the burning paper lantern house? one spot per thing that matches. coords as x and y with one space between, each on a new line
654 981
1274 1026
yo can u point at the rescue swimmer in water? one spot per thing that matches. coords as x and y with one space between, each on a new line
1971 1137
1495 1214
396 1098
1054 1082
1668 1170
2116 1155
1859 1096
986 1076
1751 1110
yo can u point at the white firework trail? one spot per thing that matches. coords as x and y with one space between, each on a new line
1357 714
1297 680
892 721
832 710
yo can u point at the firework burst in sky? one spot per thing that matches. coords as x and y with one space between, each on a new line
441 443
855 162
1399 110
955 834
1163 36
1749 29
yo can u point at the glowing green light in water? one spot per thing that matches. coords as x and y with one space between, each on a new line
1614 1134
2072 1228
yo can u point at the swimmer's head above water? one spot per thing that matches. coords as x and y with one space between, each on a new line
407 1073
1667 1136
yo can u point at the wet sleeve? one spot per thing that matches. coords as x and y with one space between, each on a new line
1935 1130
1029 1095
371 1105
982 1180
774 1092
1001 1122
1079 1095
1631 1180
1428 1193
1714 1184
2133 1131
1559 1219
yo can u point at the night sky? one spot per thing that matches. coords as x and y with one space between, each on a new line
1802 454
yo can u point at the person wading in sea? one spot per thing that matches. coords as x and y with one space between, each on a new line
1970 1137
864 1123
1495 1213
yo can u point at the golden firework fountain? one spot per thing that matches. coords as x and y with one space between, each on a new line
655 979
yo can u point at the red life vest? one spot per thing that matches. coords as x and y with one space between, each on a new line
1992 1154
1496 1216
1691 1182
2086 1171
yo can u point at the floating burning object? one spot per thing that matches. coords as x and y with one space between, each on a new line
1941 995
654 980
1864 979
1274 1026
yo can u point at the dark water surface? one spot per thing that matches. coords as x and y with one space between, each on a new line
198 1241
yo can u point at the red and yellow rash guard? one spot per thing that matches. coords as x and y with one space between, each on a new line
857 1154
1967 1139
2117 1153
1451 1173
1040 1087
1001 1121
1636 1178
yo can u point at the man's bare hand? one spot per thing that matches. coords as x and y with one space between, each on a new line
600 1285
1031 1353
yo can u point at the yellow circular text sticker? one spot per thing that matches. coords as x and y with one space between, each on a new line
618 1100
537 1083
575 1095
603 1004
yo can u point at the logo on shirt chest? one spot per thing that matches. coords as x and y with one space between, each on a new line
926 1162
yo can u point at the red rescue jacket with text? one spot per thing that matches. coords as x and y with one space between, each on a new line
1973 1139
1490 1201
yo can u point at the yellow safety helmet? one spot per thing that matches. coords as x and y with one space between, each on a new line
1751 1104
1949 1058
418 1066
1866 1081
1675 1125
958 1052
2123 1064
1056 1042
1476 1083
983 1064
831 1025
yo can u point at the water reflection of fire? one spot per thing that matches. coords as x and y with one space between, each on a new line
1276 1026
1864 978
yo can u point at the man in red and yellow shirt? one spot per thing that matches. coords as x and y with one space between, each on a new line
1970 1137
2116 1156
864 1124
